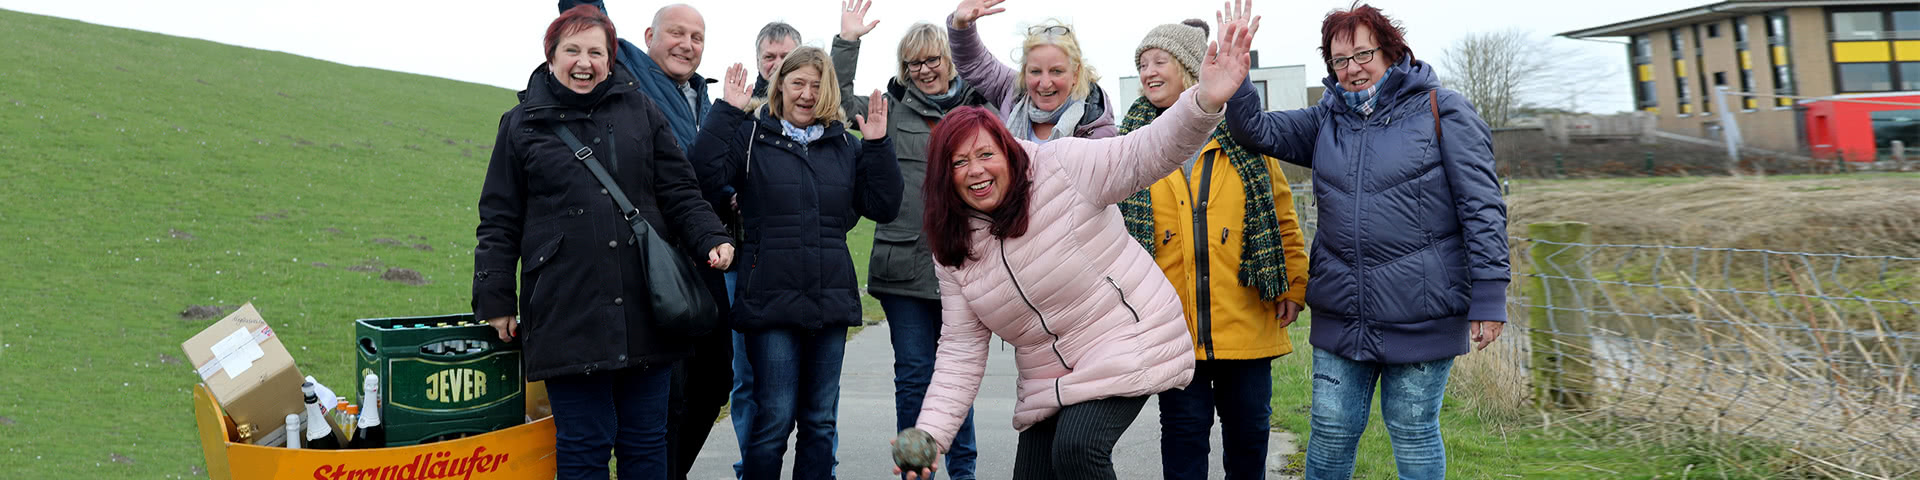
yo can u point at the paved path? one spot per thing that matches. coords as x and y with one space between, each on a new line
867 424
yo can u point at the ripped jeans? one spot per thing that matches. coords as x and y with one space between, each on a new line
1410 396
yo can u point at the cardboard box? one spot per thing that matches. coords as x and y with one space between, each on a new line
249 372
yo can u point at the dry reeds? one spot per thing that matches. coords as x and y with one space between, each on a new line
1686 358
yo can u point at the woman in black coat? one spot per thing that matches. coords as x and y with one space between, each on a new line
583 307
804 181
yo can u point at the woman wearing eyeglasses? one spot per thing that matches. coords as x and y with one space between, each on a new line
1053 95
900 272
1409 266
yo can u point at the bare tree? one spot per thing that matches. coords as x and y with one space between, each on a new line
1505 71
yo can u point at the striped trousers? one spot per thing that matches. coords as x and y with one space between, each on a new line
1077 443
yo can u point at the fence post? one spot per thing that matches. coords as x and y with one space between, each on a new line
1557 324
1899 156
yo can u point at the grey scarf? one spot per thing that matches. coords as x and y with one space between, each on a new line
1064 119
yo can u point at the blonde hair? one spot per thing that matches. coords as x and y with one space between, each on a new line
922 37
1037 37
827 108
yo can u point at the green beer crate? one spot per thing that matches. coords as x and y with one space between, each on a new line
441 377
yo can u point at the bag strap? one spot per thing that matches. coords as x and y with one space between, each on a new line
1433 102
585 155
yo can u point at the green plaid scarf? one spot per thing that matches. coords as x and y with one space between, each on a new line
1263 265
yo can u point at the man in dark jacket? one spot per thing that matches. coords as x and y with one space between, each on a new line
776 40
666 73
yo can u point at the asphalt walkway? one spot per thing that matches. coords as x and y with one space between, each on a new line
867 424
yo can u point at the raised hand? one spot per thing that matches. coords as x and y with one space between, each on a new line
1227 60
853 19
873 125
1241 14
735 91
970 10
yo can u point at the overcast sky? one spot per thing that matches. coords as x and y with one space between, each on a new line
497 42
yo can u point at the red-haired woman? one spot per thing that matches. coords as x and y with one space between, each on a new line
545 219
1030 247
1410 268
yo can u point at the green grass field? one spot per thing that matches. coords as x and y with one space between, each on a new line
147 173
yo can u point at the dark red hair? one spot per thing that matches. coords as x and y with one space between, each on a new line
1387 33
945 219
578 19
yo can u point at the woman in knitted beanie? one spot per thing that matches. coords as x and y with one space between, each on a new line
1235 256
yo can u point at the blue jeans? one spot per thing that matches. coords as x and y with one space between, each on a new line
740 405
1241 391
796 385
914 324
1410 396
621 412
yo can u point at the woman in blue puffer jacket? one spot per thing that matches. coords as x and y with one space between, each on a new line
1409 265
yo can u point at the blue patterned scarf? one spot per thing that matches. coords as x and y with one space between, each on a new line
1362 101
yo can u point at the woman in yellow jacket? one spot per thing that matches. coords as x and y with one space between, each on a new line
1223 228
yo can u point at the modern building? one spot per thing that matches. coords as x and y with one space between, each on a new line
1847 71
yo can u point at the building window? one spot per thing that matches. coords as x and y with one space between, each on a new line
1645 93
1740 30
1868 57
1910 78
1906 24
1713 30
1778 58
1858 26
1679 42
1746 85
1902 125
1865 77
1700 61
1261 87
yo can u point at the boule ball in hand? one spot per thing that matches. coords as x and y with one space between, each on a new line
913 450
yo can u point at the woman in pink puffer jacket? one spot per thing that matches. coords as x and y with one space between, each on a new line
1031 247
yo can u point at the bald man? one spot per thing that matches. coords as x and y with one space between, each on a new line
666 71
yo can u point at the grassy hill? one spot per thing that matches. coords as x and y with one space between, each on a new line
144 174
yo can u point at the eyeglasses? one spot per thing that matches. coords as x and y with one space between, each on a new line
1362 57
928 63
1049 30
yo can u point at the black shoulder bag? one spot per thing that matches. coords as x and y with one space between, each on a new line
681 303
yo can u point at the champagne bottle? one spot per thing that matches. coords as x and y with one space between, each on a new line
319 431
370 433
293 430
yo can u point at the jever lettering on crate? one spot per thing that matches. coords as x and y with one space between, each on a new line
426 466
455 385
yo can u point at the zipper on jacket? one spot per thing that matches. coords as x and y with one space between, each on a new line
1123 298
1055 344
1202 292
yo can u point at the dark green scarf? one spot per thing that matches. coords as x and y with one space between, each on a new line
1263 266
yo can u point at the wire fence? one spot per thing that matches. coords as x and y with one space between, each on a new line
1816 352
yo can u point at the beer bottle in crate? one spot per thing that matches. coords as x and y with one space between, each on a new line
319 431
370 433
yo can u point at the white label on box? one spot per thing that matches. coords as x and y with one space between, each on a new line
236 353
